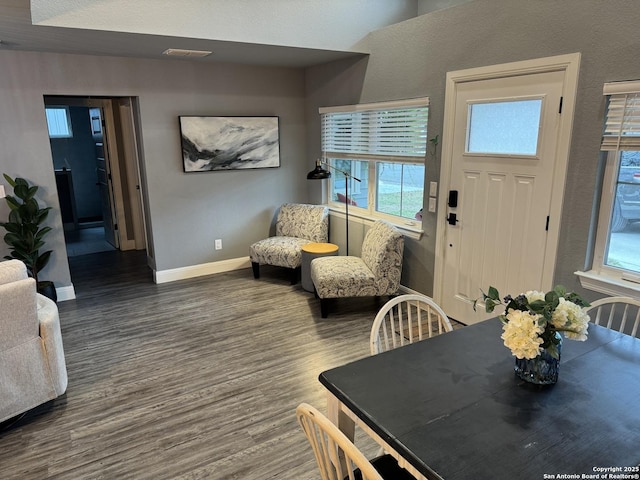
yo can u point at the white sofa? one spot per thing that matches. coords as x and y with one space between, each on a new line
33 369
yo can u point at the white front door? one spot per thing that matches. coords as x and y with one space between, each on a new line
502 159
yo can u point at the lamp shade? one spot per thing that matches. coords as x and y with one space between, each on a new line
318 173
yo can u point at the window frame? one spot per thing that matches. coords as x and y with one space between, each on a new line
370 213
601 277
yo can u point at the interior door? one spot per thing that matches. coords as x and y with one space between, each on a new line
503 154
104 177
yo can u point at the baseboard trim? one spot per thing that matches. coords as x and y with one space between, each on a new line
182 273
65 293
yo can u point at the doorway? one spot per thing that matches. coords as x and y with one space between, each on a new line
505 151
95 159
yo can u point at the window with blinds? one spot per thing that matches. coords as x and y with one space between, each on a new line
398 133
622 124
618 231
384 145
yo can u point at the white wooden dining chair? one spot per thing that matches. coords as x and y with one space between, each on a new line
329 444
406 319
619 313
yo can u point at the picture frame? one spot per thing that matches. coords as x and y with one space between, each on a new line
229 143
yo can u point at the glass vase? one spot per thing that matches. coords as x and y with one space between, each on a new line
542 370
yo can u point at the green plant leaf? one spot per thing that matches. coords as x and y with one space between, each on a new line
13 239
42 232
552 350
493 294
560 290
15 217
12 202
42 214
10 227
42 260
538 306
21 191
32 191
490 305
577 299
9 180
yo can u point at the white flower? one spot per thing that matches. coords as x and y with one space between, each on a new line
521 333
570 316
533 295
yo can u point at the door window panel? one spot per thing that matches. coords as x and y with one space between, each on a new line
504 128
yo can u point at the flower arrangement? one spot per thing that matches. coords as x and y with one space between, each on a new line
531 320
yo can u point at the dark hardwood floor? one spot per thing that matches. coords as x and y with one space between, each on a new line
192 379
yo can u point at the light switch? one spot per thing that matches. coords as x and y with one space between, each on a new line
433 189
2 194
432 204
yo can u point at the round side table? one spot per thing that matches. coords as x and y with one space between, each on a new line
309 252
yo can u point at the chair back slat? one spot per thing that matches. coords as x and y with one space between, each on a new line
404 319
419 322
636 323
616 313
337 457
407 319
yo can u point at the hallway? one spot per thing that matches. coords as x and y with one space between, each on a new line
86 240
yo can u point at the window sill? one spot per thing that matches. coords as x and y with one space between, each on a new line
598 282
410 228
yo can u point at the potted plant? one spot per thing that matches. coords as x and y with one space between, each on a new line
25 231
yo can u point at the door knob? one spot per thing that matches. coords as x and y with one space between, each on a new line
452 219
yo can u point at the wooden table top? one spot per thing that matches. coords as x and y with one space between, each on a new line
453 407
320 248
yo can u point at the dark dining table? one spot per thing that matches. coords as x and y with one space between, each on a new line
452 408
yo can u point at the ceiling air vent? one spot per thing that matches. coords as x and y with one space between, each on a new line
178 52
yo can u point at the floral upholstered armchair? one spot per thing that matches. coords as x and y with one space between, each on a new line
376 272
296 225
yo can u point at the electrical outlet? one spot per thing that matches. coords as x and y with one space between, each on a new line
218 244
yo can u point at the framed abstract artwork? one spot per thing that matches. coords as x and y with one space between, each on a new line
229 143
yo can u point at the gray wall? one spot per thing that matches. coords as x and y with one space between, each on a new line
186 211
411 59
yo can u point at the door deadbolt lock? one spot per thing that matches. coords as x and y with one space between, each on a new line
453 199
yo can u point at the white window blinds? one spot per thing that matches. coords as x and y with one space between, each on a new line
622 124
389 131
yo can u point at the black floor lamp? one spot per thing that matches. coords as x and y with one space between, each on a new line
320 173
